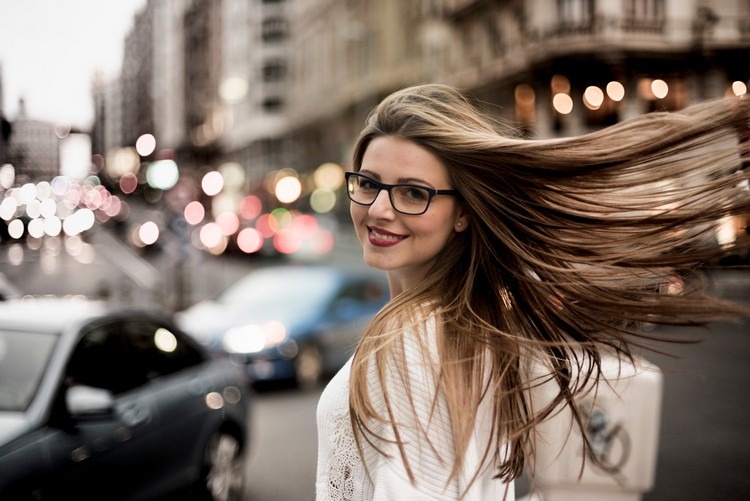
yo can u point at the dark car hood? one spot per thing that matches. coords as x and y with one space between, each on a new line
12 424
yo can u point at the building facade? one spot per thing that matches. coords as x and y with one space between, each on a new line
276 84
33 148
553 67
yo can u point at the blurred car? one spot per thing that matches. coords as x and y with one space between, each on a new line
289 322
103 404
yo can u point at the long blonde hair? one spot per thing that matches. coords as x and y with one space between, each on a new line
570 244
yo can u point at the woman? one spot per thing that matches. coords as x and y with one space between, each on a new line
512 263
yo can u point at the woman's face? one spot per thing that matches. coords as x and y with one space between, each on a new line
403 245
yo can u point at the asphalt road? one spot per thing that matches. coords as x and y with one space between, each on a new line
282 461
705 422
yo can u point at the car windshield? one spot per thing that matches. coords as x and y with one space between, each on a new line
23 359
270 289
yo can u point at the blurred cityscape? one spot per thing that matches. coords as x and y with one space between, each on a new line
221 147
231 122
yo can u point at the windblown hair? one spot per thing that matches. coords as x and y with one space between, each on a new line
571 244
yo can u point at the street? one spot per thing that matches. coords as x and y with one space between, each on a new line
704 435
283 446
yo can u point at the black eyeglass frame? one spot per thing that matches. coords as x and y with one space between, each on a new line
431 192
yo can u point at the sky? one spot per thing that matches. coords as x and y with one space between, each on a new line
50 51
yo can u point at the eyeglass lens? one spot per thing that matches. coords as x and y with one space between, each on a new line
405 198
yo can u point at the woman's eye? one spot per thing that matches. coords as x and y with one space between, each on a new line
367 185
416 194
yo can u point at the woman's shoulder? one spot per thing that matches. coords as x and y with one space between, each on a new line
415 331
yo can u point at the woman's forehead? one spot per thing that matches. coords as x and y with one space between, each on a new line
395 160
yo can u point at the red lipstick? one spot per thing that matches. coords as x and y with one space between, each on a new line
383 238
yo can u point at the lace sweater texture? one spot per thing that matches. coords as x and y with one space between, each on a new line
341 474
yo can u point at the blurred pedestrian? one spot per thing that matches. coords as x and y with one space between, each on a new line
511 263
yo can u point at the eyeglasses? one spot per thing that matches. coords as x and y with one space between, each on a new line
411 199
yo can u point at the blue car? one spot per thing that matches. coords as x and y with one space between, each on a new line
293 323
97 403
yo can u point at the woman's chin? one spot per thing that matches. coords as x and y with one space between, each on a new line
377 261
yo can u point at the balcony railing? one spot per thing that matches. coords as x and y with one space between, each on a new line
643 25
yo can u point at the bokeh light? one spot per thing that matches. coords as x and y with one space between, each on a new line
288 189
128 183
162 174
233 89
229 223
194 212
615 91
562 103
249 240
165 340
233 175
322 200
250 207
287 242
739 88
263 225
43 190
36 228
305 225
52 226
148 233
47 208
329 175
34 209
211 235
8 208
593 97
27 193
7 176
80 221
145 145
16 229
659 88
280 219
122 161
212 183
60 185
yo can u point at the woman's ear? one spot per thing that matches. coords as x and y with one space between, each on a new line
462 223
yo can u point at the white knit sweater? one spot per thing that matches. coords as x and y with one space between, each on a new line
341 474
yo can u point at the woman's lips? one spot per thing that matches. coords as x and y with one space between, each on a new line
383 238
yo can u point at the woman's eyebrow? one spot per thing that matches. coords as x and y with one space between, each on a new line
413 180
370 173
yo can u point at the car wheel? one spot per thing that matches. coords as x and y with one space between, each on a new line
222 478
308 366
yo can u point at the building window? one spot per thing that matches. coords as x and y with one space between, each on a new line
274 29
644 15
274 70
576 15
273 104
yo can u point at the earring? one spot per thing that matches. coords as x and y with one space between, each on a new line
459 224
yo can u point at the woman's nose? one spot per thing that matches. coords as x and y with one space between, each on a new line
382 205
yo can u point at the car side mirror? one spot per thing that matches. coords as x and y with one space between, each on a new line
87 401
